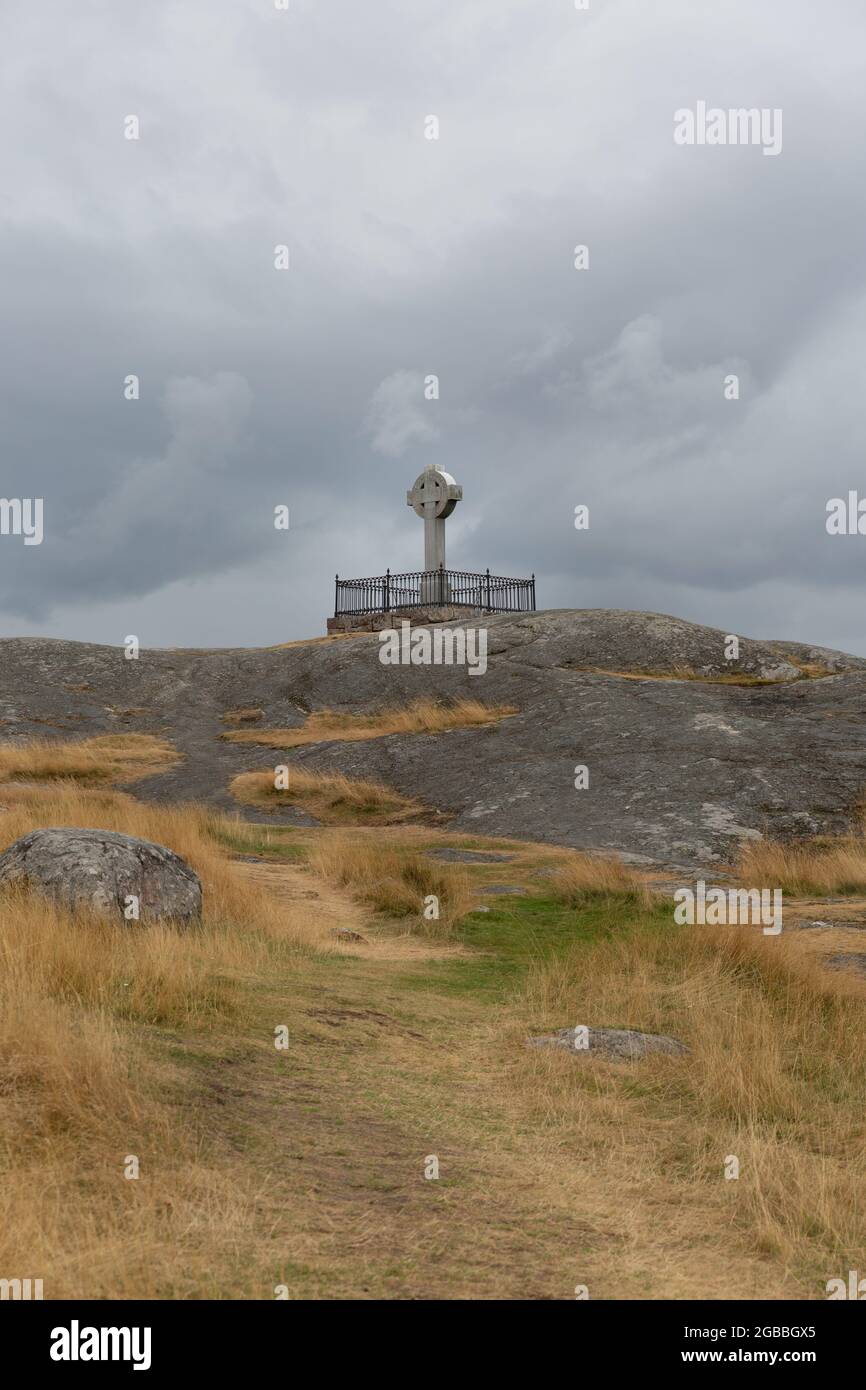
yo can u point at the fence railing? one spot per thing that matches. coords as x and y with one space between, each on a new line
388 593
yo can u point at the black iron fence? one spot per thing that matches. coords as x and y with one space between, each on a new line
388 593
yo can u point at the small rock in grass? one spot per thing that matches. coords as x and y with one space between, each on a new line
621 1043
469 856
854 961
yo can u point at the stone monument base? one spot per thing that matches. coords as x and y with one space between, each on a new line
429 613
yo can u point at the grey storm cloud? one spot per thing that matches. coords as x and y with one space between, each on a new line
410 257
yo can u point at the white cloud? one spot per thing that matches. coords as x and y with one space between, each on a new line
399 415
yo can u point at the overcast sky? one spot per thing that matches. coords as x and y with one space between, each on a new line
409 257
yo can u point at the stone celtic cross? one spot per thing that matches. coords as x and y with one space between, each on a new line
434 496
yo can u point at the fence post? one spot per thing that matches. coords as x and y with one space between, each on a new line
336 596
488 588
533 592
387 590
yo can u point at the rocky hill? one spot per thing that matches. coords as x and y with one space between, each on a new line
687 752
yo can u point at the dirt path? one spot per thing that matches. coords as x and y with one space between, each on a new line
384 1073
331 908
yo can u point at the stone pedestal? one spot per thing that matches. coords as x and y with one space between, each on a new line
423 616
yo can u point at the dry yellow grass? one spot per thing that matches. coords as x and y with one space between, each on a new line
423 716
332 799
810 670
395 881
685 673
813 867
259 1168
191 831
107 758
583 878
774 1077
83 1005
242 716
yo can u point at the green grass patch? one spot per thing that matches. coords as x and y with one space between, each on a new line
509 940
264 841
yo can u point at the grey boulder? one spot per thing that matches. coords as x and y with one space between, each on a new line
102 870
